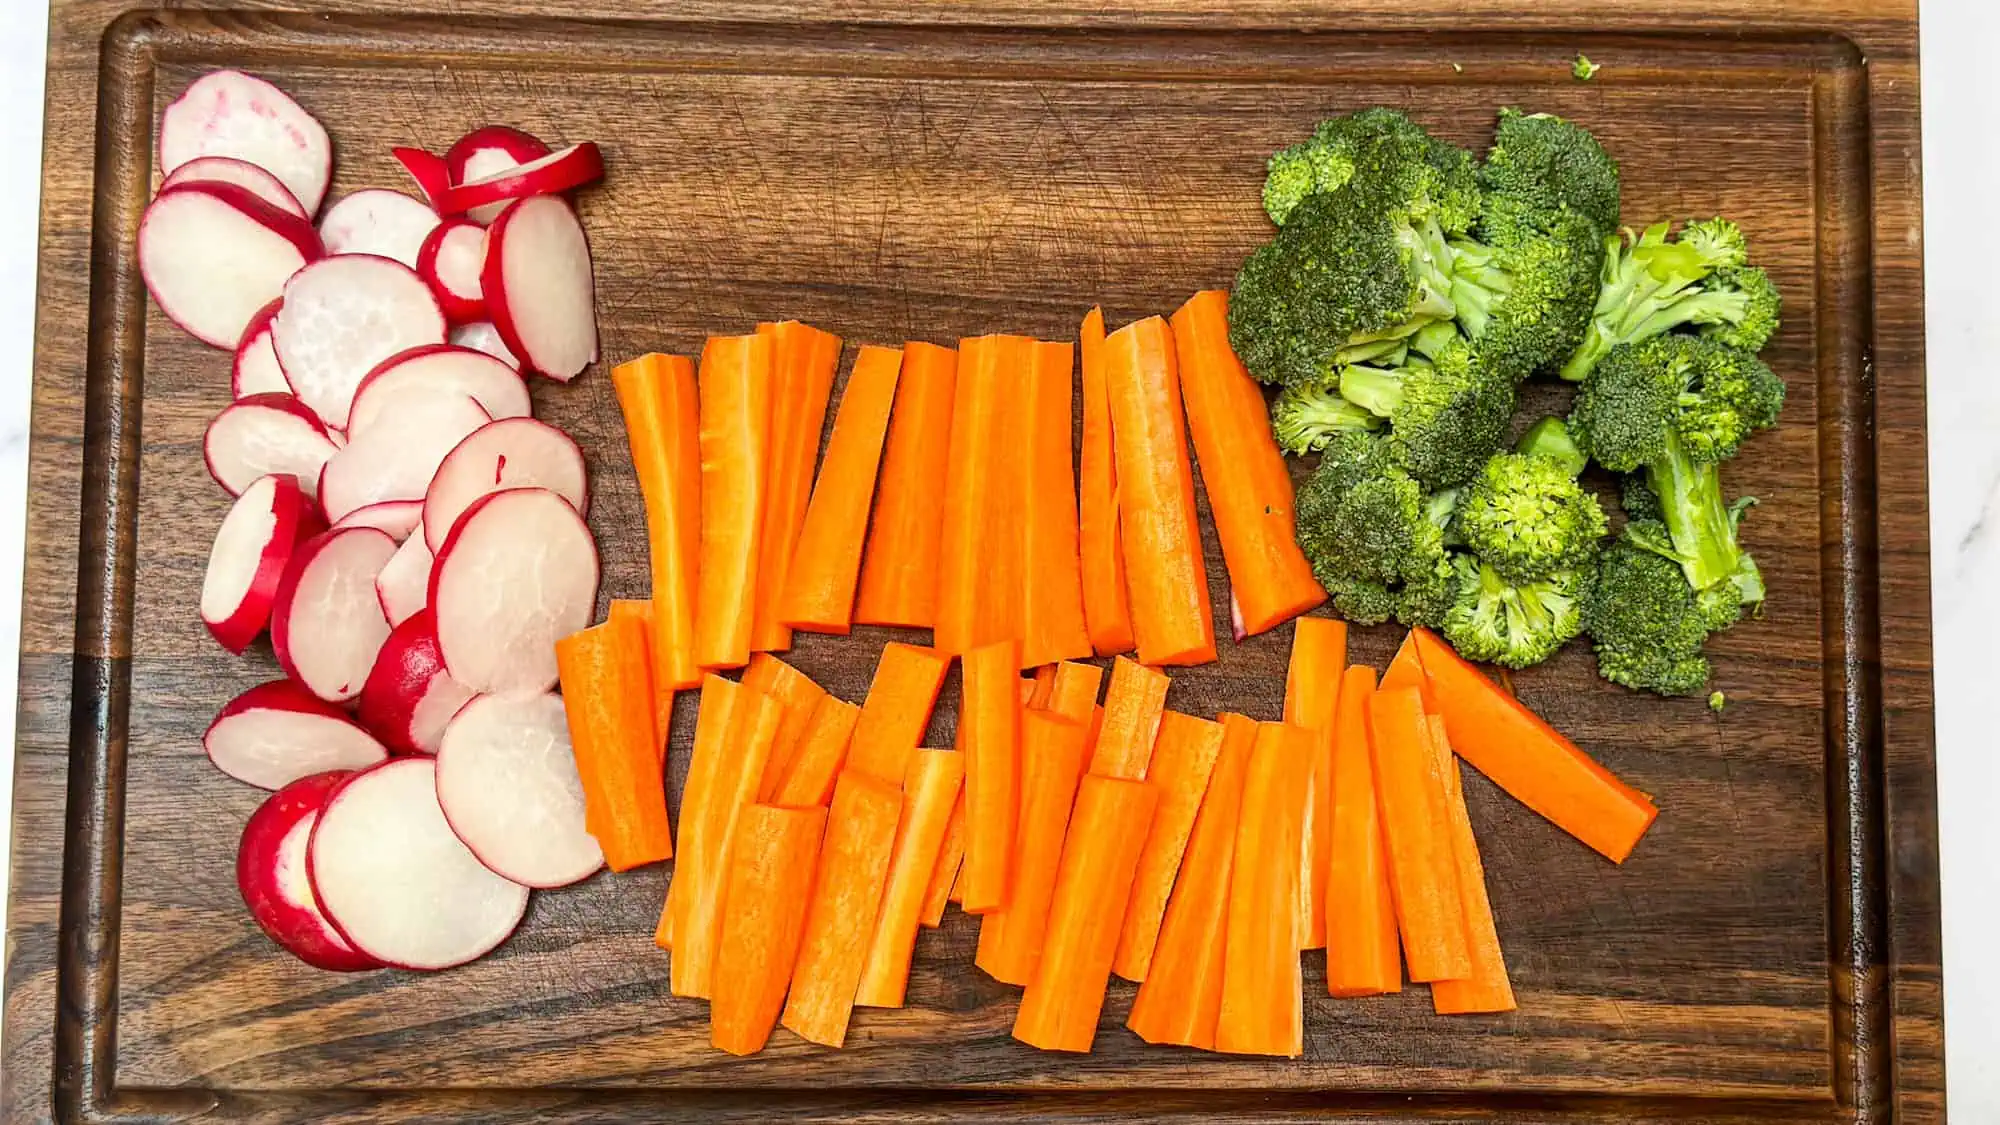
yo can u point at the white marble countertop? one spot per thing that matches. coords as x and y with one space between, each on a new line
1961 95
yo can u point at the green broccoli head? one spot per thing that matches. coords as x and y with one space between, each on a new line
1446 414
1367 527
1542 167
1514 624
1653 285
1752 327
1527 517
1636 497
1645 622
1691 391
1426 597
1527 300
1380 147
1306 416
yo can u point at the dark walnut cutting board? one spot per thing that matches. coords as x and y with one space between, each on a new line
900 170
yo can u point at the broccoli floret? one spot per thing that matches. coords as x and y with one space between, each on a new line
1636 497
1717 701
1653 286
1446 414
1645 622
1426 598
1368 528
1515 624
1540 168
1305 417
1527 518
1583 70
1379 146
1527 300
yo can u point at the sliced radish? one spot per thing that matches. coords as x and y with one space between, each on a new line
229 113
377 221
242 173
539 288
487 152
265 525
405 582
255 370
397 882
427 169
398 455
342 316
517 573
508 453
427 372
326 626
483 337
213 254
507 781
558 172
409 697
271 875
449 262
262 435
396 517
276 733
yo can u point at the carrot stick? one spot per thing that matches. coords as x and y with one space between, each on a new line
745 748
809 778
1044 681
979 573
1487 989
1165 579
1249 489
899 569
610 712
944 873
1024 691
1073 694
719 699
1102 551
1052 622
854 863
1540 768
1011 938
641 613
897 711
928 794
990 726
1132 707
1183 758
770 882
802 363
1363 953
1181 997
819 587
1312 695
1263 995
800 697
1422 873
656 394
1100 858
1406 670
735 386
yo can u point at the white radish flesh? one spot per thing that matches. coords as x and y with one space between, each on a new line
397 882
276 733
213 254
486 152
558 172
483 337
508 453
409 697
344 315
397 457
423 373
229 113
262 435
255 370
449 262
242 173
539 287
247 560
377 221
508 784
398 518
327 626
271 875
405 581
516 574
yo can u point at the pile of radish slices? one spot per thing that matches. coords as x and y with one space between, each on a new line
411 537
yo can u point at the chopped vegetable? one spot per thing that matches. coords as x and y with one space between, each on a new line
1011 938
840 921
1123 744
735 409
1583 70
1701 279
769 883
1184 756
1105 608
1487 988
1263 994
802 364
929 792
607 693
1312 697
1363 951
810 773
1052 621
979 572
900 566
800 697
640 611
1073 691
819 586
897 711
658 397
990 734
1422 870
943 887
731 789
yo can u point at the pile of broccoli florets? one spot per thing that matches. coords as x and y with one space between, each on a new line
1408 291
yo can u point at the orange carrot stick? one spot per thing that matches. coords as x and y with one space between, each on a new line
900 567
1100 858
897 711
746 747
1132 707
610 712
1312 694
1487 989
1165 578
979 577
641 613
800 697
990 728
819 587
1183 758
1540 768
769 884
802 363
944 873
1422 872
735 385
705 762
1011 938
809 778
1406 670
1249 489
1052 623
1044 681
1073 692
657 395
853 866
928 793
1364 956
1263 995
1181 998
1100 546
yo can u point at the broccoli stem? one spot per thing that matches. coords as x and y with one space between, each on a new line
1635 306
1377 391
1550 437
1702 527
1430 262
1475 285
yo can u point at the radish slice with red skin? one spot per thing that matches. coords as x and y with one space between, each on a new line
483 337
449 262
214 254
409 697
558 172
271 876
255 370
405 582
396 881
242 173
507 781
487 152
377 221
426 169
399 518
229 113
425 372
398 455
326 626
344 315
509 453
539 287
247 560
262 435
278 732
517 573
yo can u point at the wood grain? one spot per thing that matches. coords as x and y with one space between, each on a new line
1770 952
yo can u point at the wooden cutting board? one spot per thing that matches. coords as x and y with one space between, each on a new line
895 170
